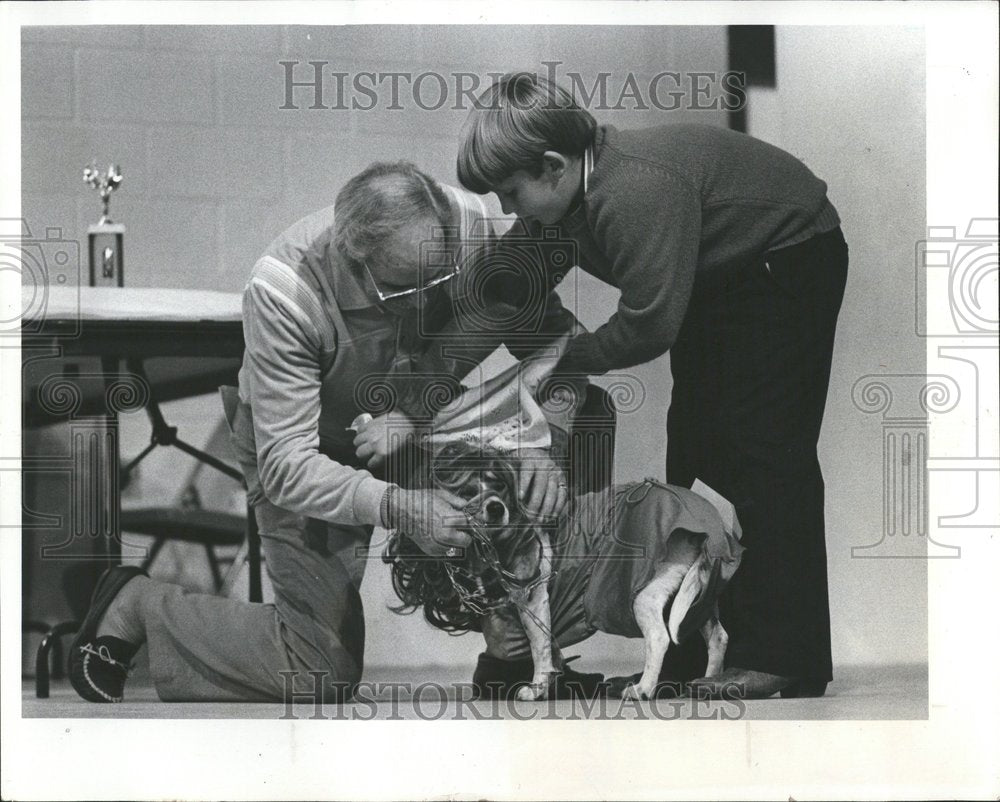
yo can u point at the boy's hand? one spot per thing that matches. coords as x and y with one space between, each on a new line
534 370
433 519
542 486
378 437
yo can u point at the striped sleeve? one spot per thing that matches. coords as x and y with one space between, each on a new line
283 376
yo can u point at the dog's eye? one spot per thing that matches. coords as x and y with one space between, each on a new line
468 492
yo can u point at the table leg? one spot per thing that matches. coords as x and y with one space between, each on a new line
110 500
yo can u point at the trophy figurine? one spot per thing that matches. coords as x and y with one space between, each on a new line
106 238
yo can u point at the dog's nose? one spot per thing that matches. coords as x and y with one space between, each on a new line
495 511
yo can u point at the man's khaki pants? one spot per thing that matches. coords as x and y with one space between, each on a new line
210 648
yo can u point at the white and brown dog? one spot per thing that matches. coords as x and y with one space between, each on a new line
641 559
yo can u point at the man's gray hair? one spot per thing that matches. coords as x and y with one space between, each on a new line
381 200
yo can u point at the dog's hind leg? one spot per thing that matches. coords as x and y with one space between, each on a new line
648 609
716 638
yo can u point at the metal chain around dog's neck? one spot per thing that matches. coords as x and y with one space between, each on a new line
478 601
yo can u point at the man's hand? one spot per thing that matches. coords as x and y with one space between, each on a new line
377 438
433 519
542 486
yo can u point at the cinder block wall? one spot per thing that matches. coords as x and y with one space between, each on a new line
214 169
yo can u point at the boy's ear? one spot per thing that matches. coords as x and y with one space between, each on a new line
554 164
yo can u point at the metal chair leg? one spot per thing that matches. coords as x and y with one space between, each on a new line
253 552
233 572
153 551
213 564
57 651
42 657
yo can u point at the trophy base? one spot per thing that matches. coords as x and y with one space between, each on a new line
106 255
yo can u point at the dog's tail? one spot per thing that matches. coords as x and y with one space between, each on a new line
695 601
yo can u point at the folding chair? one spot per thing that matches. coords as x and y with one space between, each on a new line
189 522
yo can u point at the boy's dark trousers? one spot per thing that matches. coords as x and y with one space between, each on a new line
751 368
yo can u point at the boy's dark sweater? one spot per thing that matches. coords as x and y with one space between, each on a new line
664 204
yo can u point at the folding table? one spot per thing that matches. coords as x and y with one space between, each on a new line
91 353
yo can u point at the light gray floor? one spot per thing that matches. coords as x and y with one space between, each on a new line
858 693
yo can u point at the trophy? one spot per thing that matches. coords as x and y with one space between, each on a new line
105 238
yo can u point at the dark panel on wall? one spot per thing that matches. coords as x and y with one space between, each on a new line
751 52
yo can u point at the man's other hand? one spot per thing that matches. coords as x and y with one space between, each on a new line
379 437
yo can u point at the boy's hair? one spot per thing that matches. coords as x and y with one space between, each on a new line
379 201
511 126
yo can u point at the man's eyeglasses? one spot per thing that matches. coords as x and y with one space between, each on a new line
386 295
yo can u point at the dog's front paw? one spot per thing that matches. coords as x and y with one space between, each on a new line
533 692
636 691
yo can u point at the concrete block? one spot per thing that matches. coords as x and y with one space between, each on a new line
247 228
172 243
46 81
365 46
484 48
214 38
145 87
117 36
215 162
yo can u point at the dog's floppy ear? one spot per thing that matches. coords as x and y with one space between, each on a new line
695 601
